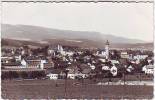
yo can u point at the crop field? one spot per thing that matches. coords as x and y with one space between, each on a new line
50 89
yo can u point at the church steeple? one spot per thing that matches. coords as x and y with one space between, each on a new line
107 49
107 42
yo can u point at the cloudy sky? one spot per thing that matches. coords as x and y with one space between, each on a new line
131 20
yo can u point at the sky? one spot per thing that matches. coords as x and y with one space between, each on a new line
129 20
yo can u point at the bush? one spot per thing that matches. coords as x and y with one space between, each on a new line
23 74
14 74
5 75
37 74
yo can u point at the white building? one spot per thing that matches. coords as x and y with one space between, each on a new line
42 62
104 53
148 69
60 48
33 63
113 70
51 51
52 76
102 60
130 69
92 67
140 57
18 58
105 68
125 55
23 63
71 76
114 61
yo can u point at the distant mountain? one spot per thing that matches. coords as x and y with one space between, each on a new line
18 35
25 32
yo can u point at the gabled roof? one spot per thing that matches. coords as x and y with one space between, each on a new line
35 58
84 68
11 64
33 62
86 71
105 68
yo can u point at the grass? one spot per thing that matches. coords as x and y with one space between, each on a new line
47 89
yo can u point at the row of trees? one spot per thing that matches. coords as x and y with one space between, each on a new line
22 74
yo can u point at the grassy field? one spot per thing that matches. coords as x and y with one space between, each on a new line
47 89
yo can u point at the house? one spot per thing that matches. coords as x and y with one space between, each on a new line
36 63
8 62
87 59
18 58
105 68
23 63
12 65
6 59
69 53
50 51
105 52
125 55
150 61
92 67
139 57
102 60
54 74
113 70
101 53
129 69
81 71
33 63
114 61
148 69
42 62
72 72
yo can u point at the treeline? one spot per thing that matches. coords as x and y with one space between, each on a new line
22 75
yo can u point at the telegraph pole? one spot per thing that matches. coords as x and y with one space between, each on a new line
66 74
140 77
124 71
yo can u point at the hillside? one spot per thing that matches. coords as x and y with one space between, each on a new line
26 32
18 35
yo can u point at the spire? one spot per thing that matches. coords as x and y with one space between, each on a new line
107 42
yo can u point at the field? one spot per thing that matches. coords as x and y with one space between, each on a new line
50 89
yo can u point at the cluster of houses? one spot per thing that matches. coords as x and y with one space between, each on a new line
77 62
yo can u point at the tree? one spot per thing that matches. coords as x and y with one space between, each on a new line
5 75
66 74
115 55
15 74
24 75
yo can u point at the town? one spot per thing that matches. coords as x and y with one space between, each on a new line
67 62
77 49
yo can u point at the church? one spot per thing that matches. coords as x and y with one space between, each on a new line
104 53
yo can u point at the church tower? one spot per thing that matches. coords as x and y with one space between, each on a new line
107 49
60 48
